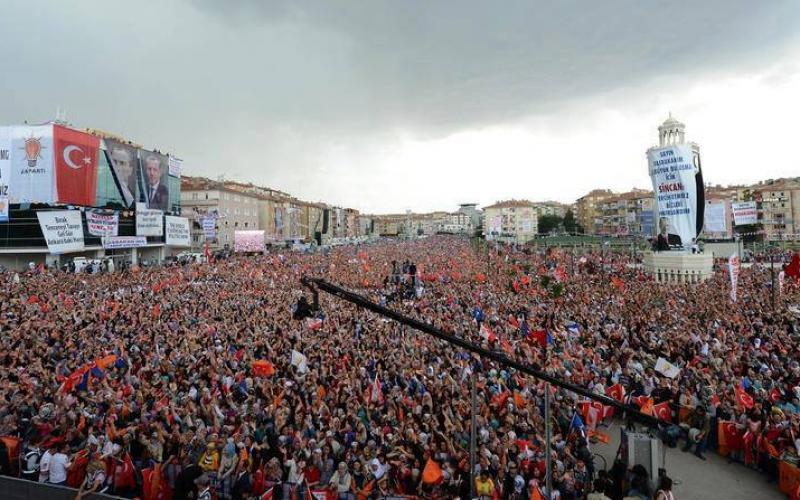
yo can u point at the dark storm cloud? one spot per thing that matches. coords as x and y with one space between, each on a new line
454 64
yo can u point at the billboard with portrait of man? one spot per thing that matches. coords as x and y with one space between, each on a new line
124 162
154 168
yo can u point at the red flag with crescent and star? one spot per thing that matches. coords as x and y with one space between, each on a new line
742 398
663 412
76 156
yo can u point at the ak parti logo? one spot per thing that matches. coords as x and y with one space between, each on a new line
33 150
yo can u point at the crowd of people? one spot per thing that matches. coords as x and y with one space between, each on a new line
203 381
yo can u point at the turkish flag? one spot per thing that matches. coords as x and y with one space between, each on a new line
663 411
729 436
775 395
743 399
793 269
617 392
76 156
262 368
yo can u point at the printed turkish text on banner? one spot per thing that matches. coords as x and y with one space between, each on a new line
673 170
176 230
62 229
76 166
101 223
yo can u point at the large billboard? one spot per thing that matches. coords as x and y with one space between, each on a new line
647 222
124 161
155 187
676 174
31 159
76 156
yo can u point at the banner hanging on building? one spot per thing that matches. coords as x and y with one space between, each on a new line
154 180
149 222
176 230
716 217
175 166
102 223
733 271
209 227
113 242
124 160
31 156
248 241
676 175
62 229
744 213
76 155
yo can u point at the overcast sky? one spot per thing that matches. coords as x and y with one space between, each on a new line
387 106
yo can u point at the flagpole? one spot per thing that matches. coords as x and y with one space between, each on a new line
472 431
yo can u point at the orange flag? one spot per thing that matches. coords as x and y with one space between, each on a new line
262 368
432 473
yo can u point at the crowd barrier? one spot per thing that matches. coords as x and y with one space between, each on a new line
12 488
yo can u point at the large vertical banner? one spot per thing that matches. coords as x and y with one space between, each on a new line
175 166
76 155
62 229
647 222
31 179
209 227
279 232
176 230
154 168
676 173
124 162
733 271
716 217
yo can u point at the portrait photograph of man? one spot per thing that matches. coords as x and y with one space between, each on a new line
123 162
156 193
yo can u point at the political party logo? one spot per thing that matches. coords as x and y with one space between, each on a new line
33 150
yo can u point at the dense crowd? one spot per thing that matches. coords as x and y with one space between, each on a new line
204 380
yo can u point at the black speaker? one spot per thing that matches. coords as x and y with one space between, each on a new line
318 238
326 214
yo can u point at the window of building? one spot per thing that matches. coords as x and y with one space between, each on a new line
206 195
194 196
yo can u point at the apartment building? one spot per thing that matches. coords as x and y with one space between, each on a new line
511 221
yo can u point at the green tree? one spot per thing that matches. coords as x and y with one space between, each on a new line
570 224
549 223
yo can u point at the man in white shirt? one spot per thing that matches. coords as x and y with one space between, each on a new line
59 464
44 464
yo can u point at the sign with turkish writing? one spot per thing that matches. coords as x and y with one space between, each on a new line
744 213
149 222
62 229
674 170
176 230
210 227
102 223
5 159
175 166
112 242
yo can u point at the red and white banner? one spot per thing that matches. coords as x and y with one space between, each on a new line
76 155
102 224
745 213
733 271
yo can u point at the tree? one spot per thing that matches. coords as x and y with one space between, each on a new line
549 223
570 224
